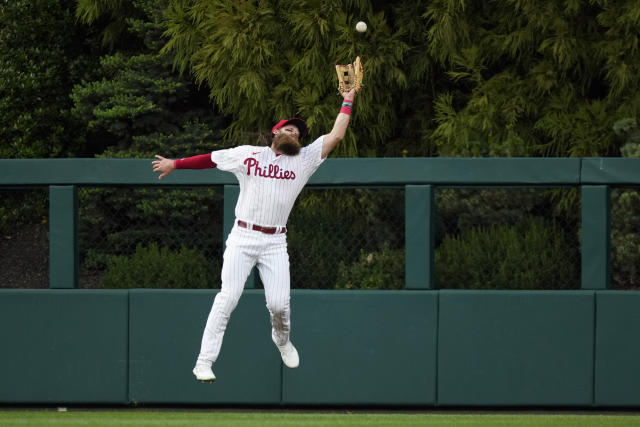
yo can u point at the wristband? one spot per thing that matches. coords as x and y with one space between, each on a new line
347 104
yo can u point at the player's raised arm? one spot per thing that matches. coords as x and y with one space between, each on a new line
340 126
166 166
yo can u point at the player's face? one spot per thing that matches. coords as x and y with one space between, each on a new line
290 130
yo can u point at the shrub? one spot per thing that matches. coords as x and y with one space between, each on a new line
113 221
373 270
533 255
154 267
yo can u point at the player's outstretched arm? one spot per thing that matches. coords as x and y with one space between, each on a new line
166 166
331 140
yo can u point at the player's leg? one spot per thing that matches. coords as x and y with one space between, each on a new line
236 266
273 266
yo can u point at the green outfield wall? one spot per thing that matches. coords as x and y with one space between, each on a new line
399 348
414 347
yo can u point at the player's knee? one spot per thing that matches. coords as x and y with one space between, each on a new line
277 308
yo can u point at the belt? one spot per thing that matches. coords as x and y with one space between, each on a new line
266 230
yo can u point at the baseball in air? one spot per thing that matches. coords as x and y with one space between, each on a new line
361 27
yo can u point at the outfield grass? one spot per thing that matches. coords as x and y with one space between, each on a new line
278 419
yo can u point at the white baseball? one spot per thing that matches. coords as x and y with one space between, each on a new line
361 27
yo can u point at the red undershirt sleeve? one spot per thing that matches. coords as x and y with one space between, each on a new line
202 161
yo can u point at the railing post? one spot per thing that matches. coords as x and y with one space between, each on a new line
596 237
419 234
231 194
63 236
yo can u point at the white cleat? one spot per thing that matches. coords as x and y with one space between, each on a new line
204 373
289 355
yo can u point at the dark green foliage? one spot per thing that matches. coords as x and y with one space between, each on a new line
373 270
532 255
265 60
534 78
462 210
159 267
627 131
43 53
446 77
19 207
118 11
140 107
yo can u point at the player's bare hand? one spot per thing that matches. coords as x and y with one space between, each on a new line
350 94
163 166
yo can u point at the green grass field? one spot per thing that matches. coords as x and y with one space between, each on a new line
279 419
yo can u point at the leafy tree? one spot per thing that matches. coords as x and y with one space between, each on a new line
446 77
265 60
534 77
43 53
138 106
114 14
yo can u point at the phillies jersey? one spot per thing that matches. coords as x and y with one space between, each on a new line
269 182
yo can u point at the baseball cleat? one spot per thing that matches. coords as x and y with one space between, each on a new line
204 373
289 355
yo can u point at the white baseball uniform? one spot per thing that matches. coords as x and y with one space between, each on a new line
269 186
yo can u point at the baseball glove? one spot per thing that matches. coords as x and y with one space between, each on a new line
350 76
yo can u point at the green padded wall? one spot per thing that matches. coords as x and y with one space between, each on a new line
63 346
166 329
617 379
370 347
357 347
516 348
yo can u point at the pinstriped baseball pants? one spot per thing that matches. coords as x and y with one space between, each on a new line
246 249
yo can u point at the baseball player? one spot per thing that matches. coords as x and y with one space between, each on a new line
270 178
